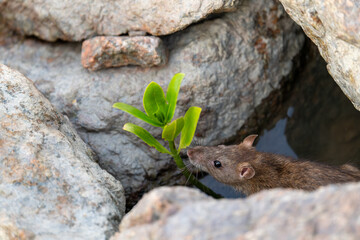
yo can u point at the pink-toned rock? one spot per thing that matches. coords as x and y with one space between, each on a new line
179 213
50 184
106 52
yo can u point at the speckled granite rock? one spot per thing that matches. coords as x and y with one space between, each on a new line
74 20
231 64
50 185
175 213
105 52
334 26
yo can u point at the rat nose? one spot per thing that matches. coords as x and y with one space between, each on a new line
190 152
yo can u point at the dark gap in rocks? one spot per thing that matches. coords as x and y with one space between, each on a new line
271 107
209 17
170 176
115 222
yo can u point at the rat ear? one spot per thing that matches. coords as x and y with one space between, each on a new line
249 140
246 171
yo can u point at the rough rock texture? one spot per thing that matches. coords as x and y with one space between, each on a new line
105 52
50 185
160 203
180 213
74 20
334 26
231 64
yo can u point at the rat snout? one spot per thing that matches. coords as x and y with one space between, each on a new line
195 153
196 157
190 152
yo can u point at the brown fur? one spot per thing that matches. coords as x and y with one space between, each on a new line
250 171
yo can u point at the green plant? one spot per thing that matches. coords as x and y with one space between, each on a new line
160 110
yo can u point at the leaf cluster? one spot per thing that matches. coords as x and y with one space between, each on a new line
159 112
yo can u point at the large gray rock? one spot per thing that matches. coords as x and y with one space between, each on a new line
76 20
334 26
181 213
50 185
231 64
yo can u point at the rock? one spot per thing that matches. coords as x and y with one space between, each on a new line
159 204
105 52
232 64
71 20
180 213
334 26
50 185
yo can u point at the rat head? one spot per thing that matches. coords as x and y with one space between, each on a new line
227 164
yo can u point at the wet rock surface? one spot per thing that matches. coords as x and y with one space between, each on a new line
182 213
231 64
334 26
71 20
50 185
106 52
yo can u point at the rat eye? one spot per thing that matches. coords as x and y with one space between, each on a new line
217 164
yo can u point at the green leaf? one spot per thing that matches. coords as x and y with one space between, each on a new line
191 119
155 103
137 113
145 136
172 94
173 129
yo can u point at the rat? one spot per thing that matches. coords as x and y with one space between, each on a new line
249 171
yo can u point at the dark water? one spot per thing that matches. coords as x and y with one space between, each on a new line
317 123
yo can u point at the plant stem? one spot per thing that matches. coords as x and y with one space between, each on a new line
179 162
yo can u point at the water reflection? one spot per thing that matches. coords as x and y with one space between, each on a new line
325 126
275 140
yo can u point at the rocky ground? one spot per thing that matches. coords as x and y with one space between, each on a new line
67 165
232 63
182 213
